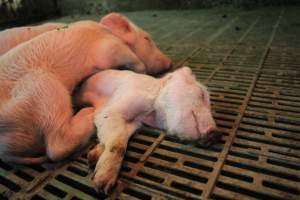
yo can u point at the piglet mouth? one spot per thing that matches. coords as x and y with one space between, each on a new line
206 141
210 138
161 72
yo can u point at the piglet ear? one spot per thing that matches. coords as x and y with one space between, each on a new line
116 22
186 73
186 70
119 25
206 96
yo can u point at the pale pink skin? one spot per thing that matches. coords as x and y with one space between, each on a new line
12 37
37 77
124 100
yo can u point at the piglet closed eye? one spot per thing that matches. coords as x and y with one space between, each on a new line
139 42
184 107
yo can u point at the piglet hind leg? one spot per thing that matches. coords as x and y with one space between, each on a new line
73 137
64 132
41 110
114 132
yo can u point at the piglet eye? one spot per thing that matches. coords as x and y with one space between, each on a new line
201 96
147 38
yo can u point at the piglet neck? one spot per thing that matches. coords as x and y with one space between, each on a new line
150 116
149 119
160 118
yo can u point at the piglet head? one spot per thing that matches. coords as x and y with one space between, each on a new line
139 42
183 107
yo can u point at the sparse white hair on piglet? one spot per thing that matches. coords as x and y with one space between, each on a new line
183 106
176 103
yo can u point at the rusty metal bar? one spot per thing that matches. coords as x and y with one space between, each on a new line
205 44
221 65
122 185
217 169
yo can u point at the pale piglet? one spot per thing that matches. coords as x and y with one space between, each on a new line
124 100
38 76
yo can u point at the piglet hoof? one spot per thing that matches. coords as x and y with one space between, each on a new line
106 172
105 181
94 155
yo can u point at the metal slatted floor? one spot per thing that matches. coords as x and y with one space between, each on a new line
250 61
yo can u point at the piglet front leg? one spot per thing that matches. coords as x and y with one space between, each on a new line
114 132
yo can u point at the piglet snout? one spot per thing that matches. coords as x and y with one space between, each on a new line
168 64
211 130
211 137
163 71
161 67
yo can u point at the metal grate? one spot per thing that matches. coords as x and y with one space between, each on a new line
250 63
14 180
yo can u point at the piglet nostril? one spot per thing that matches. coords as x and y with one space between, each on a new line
212 129
216 135
169 64
213 135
